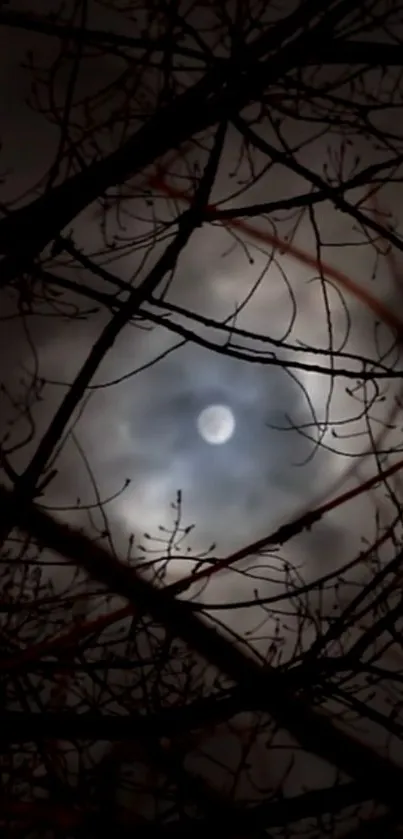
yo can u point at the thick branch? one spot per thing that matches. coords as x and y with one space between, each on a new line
89 37
340 52
312 729
222 91
26 485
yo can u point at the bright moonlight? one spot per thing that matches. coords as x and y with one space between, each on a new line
216 424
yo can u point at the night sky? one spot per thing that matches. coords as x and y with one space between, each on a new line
300 436
143 427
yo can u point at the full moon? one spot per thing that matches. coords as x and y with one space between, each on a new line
216 424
